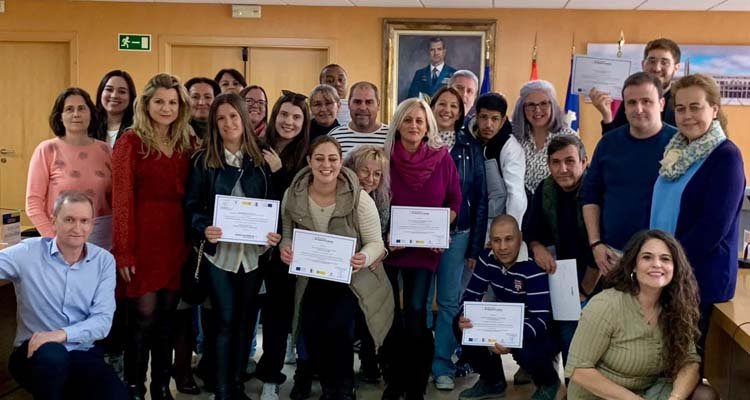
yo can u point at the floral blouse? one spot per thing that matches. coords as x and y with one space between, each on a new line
536 159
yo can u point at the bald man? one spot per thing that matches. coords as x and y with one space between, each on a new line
513 280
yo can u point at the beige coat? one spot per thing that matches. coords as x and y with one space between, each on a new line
372 288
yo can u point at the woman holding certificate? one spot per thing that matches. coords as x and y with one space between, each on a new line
423 174
150 166
327 198
230 164
636 339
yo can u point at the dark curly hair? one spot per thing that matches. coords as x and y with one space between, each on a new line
679 299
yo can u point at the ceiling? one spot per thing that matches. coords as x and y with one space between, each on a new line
671 5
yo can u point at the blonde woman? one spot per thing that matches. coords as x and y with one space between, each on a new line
150 170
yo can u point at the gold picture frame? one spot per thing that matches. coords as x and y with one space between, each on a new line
469 44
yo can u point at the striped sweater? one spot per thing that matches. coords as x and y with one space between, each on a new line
524 282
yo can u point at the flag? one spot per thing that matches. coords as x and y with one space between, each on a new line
486 84
534 70
571 103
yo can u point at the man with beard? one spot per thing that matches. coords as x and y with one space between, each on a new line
661 58
429 79
365 127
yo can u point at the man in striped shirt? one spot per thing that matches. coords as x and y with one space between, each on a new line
365 127
512 281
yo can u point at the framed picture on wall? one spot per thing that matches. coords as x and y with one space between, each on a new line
420 55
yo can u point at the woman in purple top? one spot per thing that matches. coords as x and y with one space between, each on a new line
422 175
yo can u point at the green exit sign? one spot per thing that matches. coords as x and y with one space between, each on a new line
133 42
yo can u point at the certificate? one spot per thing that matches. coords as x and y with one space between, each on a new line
322 255
492 323
420 227
563 291
245 220
605 74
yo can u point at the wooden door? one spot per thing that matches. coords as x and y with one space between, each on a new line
296 69
33 74
192 61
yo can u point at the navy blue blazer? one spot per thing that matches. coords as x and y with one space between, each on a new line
422 81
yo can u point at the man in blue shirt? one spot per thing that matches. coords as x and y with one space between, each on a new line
512 280
620 180
65 292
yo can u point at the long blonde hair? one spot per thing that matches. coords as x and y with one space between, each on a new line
432 137
179 130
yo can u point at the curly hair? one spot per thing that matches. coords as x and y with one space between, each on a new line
679 299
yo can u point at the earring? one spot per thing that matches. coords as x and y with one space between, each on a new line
632 276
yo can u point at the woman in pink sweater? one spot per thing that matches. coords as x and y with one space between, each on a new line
72 160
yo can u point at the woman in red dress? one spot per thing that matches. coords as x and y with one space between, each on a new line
150 170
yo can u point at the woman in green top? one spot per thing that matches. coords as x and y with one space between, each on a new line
636 339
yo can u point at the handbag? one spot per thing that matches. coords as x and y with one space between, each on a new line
194 288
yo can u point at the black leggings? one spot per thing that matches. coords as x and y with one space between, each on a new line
150 330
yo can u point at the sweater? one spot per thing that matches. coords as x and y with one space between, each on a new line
442 189
348 138
708 223
57 166
523 282
620 179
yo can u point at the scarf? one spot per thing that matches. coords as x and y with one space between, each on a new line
679 155
448 138
415 169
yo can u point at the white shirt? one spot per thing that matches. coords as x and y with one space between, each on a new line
513 167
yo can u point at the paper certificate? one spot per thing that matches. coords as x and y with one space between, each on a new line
492 323
563 291
322 255
605 74
244 219
420 227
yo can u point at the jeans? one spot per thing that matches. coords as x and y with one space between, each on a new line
535 358
232 294
449 278
54 373
407 351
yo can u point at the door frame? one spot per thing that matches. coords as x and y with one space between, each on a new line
71 38
167 42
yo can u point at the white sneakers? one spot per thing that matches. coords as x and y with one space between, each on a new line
444 382
270 392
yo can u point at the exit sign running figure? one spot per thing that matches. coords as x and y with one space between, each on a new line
133 42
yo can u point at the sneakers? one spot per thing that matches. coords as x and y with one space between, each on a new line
484 390
270 392
444 382
548 392
463 369
521 377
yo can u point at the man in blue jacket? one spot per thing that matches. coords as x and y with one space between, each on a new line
432 77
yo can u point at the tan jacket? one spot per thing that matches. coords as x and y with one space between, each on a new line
372 288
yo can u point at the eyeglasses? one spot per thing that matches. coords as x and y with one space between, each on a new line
253 102
542 105
293 95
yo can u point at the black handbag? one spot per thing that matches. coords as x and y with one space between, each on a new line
194 288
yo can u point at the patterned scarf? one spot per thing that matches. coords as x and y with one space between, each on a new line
449 138
679 155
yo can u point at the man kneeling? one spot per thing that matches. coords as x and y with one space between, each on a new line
65 290
512 281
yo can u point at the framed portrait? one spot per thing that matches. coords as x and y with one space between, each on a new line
420 55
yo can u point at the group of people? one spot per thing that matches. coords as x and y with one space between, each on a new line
651 220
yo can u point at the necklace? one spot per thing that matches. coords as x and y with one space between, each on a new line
650 320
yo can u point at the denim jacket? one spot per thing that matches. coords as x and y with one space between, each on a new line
467 154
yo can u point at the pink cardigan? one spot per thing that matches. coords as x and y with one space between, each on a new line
57 166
